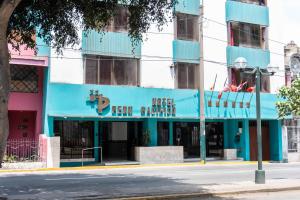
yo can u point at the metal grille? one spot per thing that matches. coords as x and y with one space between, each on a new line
293 133
20 150
24 79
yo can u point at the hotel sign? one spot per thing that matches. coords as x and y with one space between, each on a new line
162 107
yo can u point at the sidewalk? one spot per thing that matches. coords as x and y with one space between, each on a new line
230 189
168 181
95 167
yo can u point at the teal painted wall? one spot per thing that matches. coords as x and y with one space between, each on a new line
245 141
188 6
109 44
255 57
186 51
247 13
275 140
268 106
232 141
43 48
151 125
170 133
71 100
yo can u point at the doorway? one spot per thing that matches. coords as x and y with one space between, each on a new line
265 133
118 140
186 134
22 125
214 139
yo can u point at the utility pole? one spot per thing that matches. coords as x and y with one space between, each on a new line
260 173
201 87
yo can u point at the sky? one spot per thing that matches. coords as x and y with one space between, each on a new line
291 13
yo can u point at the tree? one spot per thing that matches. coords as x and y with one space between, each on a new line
291 97
57 22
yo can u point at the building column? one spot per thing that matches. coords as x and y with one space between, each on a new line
96 141
151 125
245 140
275 140
226 134
171 133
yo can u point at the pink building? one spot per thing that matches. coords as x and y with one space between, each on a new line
26 97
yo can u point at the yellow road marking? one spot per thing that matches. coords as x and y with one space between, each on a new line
130 166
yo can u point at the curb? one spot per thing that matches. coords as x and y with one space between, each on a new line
204 194
193 164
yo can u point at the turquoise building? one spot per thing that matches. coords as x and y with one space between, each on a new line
114 102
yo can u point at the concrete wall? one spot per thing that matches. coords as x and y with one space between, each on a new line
215 42
157 57
53 152
294 157
166 154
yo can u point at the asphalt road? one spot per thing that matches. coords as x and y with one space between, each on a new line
105 183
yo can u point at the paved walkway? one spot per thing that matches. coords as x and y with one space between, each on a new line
155 181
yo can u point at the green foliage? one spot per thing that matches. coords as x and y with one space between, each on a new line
291 103
146 138
58 21
10 159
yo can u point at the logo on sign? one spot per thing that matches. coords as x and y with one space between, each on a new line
102 102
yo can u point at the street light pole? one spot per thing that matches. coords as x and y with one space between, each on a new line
259 173
241 63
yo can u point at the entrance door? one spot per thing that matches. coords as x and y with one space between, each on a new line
265 141
22 125
214 140
118 140
186 134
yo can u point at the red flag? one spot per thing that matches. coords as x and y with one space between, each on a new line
250 89
233 88
226 89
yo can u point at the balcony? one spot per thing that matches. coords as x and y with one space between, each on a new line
188 7
186 51
247 13
109 44
255 57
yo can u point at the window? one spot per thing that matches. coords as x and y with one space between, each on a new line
185 76
75 136
119 22
111 71
247 35
293 135
187 28
257 2
24 79
238 77
163 133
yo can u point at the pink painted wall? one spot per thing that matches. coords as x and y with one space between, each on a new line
26 57
29 102
22 124
23 51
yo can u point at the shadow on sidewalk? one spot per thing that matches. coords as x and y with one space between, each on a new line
86 186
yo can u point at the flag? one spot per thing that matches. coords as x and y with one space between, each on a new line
226 89
240 87
250 89
233 88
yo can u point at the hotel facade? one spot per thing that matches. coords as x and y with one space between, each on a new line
108 101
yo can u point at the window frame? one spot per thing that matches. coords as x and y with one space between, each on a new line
113 78
194 36
187 84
